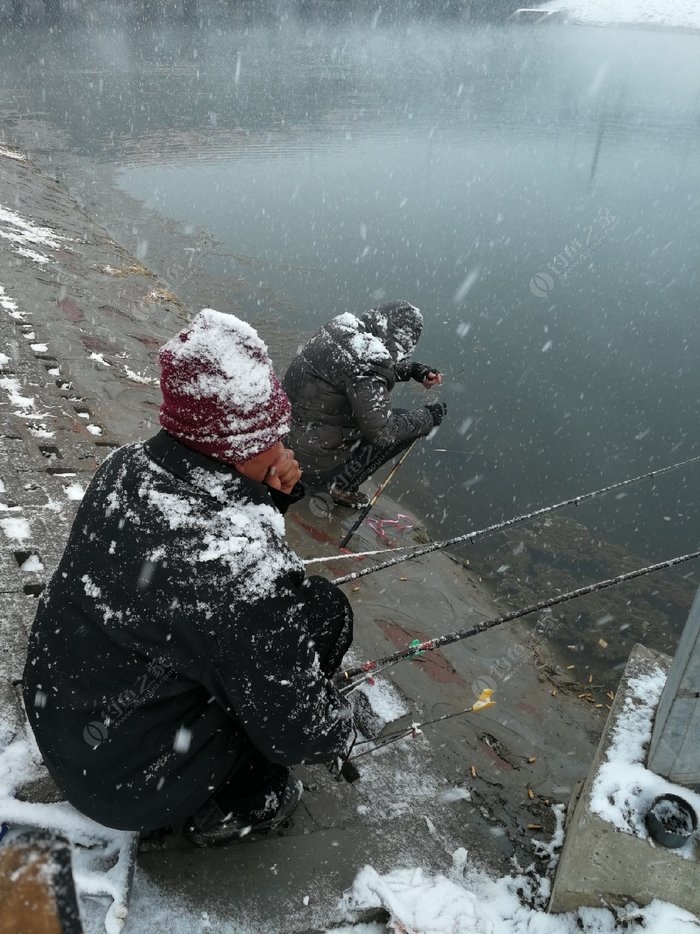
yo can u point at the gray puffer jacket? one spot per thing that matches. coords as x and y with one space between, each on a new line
340 382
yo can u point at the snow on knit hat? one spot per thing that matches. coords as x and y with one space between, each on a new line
220 394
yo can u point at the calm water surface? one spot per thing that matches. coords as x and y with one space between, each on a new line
535 191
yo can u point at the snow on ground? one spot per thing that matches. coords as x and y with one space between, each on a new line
12 154
15 528
384 699
462 900
139 377
421 903
677 13
470 902
100 855
12 388
6 302
466 900
74 491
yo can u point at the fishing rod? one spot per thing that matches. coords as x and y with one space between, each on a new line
417 551
415 729
345 767
380 489
379 664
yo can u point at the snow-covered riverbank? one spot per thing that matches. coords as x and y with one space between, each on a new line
679 14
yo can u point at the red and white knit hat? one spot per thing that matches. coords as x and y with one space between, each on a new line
220 394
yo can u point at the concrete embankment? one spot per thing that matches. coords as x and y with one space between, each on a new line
80 323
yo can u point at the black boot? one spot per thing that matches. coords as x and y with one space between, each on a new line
353 499
209 826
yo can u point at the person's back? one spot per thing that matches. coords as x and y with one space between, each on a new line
115 685
319 384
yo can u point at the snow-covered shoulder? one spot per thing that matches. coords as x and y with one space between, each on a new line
363 346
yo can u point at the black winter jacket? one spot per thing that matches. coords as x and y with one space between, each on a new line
339 386
177 629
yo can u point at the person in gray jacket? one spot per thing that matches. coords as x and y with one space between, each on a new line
343 426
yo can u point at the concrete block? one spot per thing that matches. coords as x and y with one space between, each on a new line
674 751
601 865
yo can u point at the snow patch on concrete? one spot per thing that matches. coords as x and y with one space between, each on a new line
467 901
6 302
12 154
75 491
24 235
16 528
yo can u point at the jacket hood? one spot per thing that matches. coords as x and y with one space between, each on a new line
398 325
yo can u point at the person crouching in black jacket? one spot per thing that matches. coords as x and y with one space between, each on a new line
180 659
343 425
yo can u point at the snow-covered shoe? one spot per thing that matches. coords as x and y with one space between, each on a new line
211 827
353 499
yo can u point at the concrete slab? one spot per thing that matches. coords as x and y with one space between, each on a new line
674 750
601 865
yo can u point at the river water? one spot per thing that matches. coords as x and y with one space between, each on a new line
536 191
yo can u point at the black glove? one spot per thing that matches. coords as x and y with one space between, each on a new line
438 410
419 371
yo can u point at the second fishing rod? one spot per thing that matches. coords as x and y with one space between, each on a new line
468 537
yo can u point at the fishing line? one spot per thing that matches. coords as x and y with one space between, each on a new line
417 551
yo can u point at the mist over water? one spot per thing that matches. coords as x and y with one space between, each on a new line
535 191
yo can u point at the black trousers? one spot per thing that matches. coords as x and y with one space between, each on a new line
365 458
255 785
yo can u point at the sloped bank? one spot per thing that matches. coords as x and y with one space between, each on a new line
81 321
